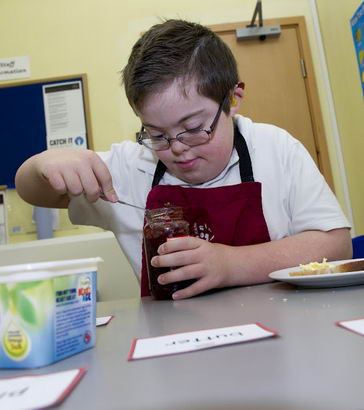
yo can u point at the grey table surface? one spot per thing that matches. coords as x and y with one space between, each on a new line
312 364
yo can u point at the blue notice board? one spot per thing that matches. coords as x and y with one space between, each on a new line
23 123
357 27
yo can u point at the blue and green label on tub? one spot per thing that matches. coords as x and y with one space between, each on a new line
30 310
17 305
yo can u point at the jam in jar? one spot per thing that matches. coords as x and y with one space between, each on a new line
162 223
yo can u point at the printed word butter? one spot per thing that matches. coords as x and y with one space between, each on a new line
197 340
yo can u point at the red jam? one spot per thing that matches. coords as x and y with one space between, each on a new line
162 223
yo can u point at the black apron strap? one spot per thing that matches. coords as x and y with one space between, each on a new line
159 172
245 164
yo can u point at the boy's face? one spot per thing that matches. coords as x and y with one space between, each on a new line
170 112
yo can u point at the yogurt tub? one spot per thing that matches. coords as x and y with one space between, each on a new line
47 311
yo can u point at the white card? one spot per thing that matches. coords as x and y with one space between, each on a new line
104 320
355 325
37 391
197 340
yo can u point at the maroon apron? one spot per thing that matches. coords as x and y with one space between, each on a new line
230 215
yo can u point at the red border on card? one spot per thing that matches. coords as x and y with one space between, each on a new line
132 348
65 393
70 387
266 328
134 341
341 324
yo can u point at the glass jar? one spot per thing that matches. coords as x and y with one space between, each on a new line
162 223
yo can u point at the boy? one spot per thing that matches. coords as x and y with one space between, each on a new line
265 206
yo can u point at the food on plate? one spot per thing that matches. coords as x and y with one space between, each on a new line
314 268
321 268
354 266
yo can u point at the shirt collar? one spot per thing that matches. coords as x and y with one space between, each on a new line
170 179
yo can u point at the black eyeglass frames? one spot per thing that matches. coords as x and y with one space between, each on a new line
191 138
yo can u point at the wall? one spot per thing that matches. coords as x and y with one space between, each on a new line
89 36
348 97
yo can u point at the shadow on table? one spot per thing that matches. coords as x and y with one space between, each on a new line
288 286
252 406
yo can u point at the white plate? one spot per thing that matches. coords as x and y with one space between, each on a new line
326 280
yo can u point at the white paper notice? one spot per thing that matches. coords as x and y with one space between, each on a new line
197 340
64 115
37 391
356 325
14 67
104 320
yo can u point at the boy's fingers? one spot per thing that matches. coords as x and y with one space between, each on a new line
180 258
104 179
73 183
91 186
179 244
196 288
177 275
57 183
111 195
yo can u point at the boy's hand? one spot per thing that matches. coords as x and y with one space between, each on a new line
76 171
196 259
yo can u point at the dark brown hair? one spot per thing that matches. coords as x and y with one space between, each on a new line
178 49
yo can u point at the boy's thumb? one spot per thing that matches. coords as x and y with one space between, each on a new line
110 195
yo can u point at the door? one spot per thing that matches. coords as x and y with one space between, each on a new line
280 87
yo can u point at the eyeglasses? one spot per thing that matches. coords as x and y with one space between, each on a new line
192 138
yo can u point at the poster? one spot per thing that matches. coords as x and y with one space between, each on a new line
64 115
357 27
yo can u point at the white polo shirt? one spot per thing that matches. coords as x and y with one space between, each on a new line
295 195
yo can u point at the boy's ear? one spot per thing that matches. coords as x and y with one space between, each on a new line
236 98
